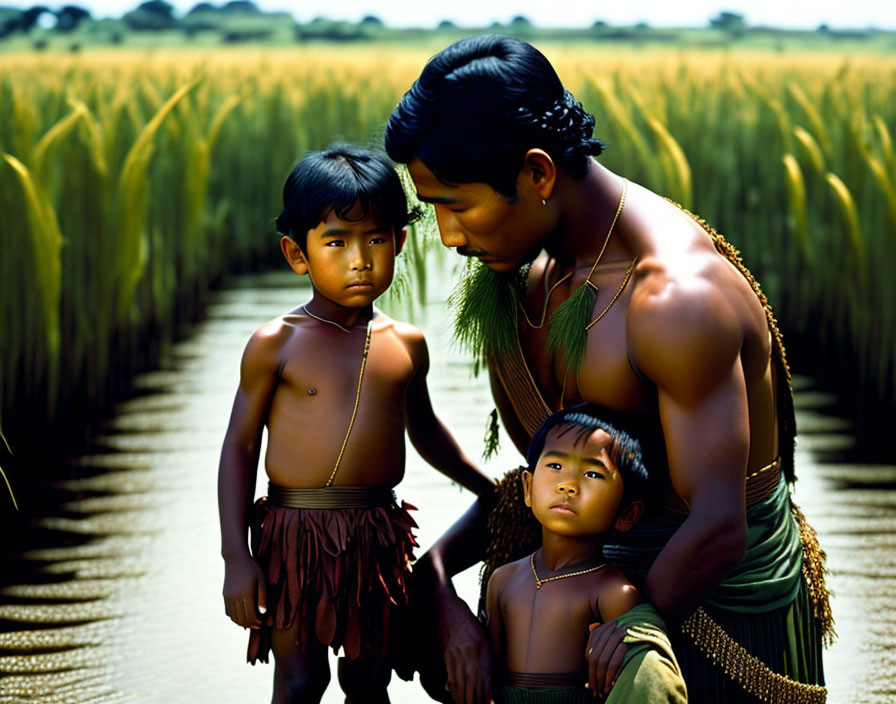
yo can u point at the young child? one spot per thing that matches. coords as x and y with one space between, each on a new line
584 479
336 382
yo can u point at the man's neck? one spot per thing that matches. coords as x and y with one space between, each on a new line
588 206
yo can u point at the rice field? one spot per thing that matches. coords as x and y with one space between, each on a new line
131 182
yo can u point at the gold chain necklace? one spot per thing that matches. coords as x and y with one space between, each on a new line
351 422
539 581
588 282
330 322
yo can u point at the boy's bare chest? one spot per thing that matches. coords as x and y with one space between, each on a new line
323 367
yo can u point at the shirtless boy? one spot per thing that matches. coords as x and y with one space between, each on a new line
336 382
584 479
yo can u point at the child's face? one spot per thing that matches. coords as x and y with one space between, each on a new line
350 262
576 489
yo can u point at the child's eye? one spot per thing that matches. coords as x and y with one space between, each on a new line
591 474
554 465
335 243
377 240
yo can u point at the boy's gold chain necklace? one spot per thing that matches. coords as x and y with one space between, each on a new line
539 581
328 322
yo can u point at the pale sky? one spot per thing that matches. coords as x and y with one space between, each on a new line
799 14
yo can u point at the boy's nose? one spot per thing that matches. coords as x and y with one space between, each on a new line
360 261
567 488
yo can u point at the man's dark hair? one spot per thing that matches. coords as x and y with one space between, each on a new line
479 105
624 450
336 179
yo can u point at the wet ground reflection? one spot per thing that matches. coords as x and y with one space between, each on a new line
121 603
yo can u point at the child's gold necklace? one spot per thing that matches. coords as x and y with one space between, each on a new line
325 320
539 581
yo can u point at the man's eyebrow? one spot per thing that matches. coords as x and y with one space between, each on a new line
438 200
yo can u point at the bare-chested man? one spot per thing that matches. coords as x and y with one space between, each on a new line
635 305
336 383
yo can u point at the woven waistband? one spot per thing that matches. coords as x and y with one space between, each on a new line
330 496
545 680
758 486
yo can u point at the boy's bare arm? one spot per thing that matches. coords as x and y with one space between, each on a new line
428 434
243 581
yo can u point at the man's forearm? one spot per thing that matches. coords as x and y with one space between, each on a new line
462 545
694 561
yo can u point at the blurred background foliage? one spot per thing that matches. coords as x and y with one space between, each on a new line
132 182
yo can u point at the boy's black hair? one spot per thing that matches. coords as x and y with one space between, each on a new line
479 105
624 450
336 179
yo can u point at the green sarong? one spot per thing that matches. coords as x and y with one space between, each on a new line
762 603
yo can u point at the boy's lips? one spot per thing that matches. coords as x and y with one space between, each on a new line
360 284
562 507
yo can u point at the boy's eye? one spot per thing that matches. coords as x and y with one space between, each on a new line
554 465
377 240
592 474
335 243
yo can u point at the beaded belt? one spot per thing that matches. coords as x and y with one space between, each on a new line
330 496
545 680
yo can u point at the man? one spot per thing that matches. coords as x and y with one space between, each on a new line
633 304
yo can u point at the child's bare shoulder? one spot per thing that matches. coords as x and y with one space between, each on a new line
507 572
267 343
410 335
615 593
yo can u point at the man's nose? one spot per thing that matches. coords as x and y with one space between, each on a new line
449 229
568 488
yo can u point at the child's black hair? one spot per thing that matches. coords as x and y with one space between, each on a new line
479 105
337 179
624 450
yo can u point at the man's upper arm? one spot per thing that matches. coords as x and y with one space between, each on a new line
688 341
495 623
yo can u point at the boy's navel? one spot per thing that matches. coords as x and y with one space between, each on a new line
312 391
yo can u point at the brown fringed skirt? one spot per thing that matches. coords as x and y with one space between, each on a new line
339 573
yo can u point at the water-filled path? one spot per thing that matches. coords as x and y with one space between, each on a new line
124 605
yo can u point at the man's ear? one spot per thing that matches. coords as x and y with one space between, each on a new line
629 516
539 173
526 479
294 255
400 239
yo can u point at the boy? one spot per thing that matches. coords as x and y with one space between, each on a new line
336 382
584 479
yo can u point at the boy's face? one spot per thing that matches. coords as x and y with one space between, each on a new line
576 489
350 262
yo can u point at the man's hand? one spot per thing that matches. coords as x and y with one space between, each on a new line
244 592
604 653
468 659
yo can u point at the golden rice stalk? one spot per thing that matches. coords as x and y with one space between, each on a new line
879 171
814 117
681 168
3 474
133 194
811 149
93 136
796 195
624 123
41 155
886 143
850 215
47 259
